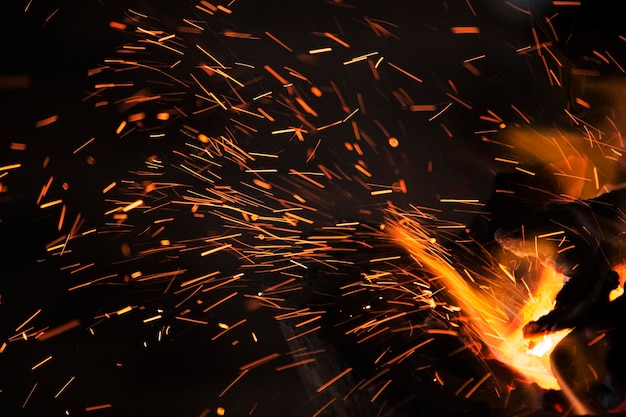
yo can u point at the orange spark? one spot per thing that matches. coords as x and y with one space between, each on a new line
405 72
335 379
458 30
47 121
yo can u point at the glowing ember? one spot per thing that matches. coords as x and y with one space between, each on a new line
497 310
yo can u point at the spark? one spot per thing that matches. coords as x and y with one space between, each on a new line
60 391
124 310
459 30
29 395
41 363
360 58
98 407
47 121
229 328
219 248
278 41
153 318
525 171
259 362
405 72
201 279
320 50
195 321
211 56
334 379
9 167
28 320
324 407
295 364
385 385
48 334
17 146
477 385
440 112
276 75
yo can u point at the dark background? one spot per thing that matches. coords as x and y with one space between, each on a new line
53 46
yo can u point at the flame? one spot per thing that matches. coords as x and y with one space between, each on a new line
496 312
498 308
578 167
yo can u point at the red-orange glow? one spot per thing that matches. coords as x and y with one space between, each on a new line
457 30
496 315
117 25
47 121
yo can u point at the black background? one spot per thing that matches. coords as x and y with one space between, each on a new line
182 375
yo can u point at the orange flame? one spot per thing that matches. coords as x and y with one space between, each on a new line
497 312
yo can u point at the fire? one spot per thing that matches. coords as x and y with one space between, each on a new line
497 311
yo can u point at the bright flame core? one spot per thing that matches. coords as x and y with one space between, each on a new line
497 312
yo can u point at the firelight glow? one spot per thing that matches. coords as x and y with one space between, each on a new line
496 312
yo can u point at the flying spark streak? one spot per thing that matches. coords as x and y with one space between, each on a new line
41 363
28 320
60 391
98 407
334 379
